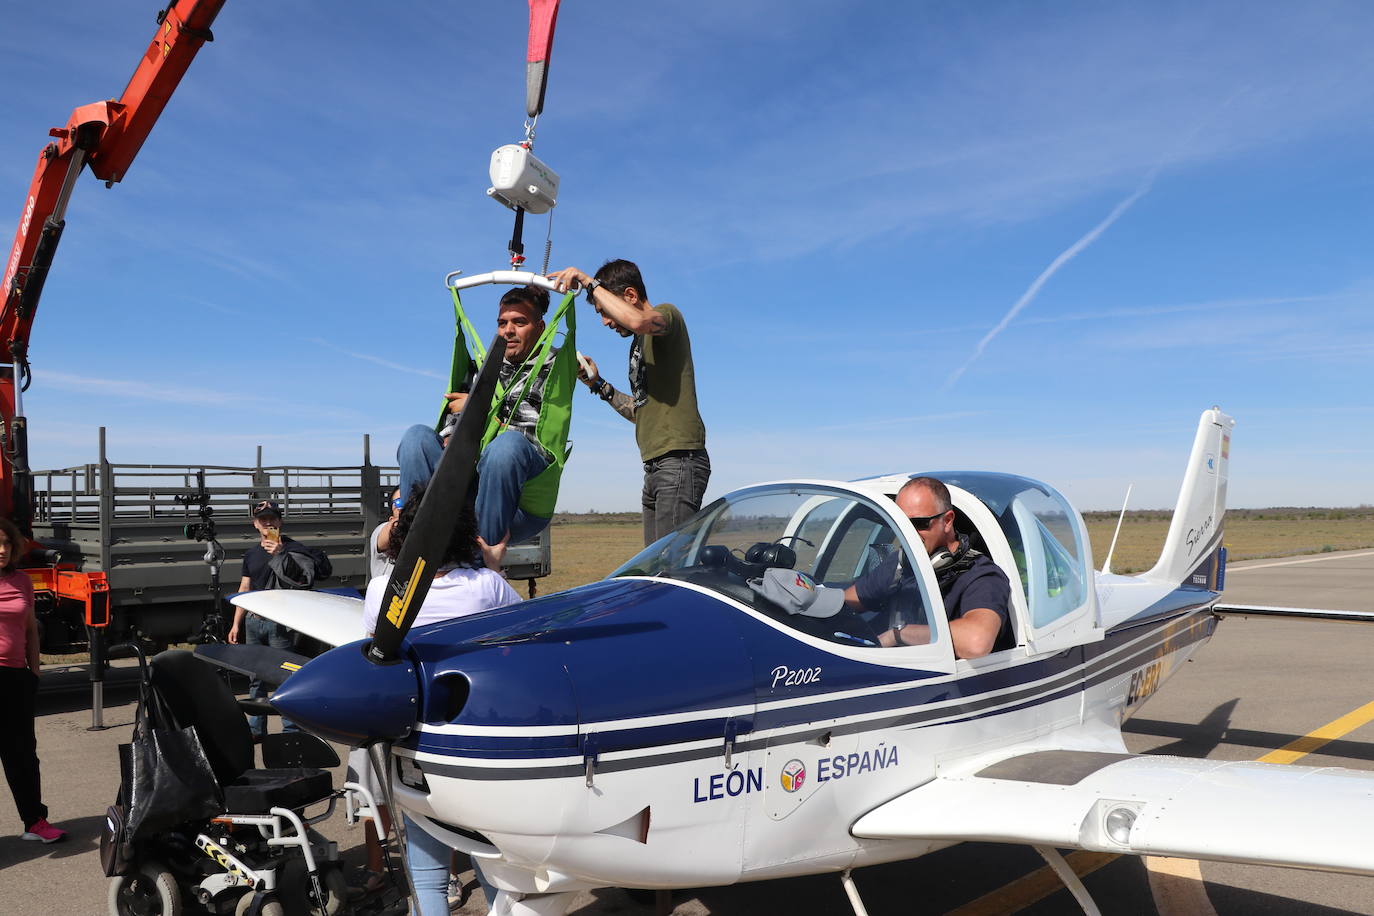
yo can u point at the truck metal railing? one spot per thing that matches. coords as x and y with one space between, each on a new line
149 491
138 524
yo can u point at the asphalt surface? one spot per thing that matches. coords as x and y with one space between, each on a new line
1256 687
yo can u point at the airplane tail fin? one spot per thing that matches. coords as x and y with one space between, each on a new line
1193 553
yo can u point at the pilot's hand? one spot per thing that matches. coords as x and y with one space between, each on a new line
494 555
569 277
588 372
456 400
234 636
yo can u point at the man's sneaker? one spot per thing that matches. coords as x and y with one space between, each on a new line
43 832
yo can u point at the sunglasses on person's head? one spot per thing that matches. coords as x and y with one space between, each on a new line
922 522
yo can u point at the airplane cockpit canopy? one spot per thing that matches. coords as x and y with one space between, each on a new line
1046 536
834 536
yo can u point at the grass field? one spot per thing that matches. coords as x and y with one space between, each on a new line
588 547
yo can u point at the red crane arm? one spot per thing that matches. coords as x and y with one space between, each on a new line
106 136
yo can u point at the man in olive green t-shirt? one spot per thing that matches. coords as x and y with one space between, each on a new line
662 402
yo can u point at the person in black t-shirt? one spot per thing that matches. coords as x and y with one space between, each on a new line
976 592
276 561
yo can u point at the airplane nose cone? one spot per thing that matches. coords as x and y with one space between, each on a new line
344 697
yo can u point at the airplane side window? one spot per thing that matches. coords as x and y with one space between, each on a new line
1056 585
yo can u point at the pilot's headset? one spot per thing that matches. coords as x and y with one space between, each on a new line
943 559
769 555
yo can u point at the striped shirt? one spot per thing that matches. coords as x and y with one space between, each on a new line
513 411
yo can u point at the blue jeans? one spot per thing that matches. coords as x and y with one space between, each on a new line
259 631
506 464
428 858
418 455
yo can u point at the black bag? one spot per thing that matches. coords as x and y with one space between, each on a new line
114 852
170 780
298 566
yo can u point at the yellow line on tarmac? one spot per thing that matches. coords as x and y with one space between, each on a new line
1329 732
1034 887
1041 883
1177 888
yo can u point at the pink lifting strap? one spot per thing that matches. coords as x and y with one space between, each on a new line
543 16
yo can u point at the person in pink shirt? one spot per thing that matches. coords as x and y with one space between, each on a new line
19 670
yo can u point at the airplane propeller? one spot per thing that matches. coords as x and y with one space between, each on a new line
374 693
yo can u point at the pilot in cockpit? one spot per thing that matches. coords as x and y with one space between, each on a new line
976 592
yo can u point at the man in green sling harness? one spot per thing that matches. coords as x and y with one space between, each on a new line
515 455
662 403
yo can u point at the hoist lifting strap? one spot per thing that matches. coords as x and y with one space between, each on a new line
543 17
555 412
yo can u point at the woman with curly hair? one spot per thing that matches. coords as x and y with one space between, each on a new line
461 587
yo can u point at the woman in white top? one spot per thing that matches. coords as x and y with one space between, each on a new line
460 587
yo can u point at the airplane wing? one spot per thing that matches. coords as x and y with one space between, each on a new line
334 619
1234 811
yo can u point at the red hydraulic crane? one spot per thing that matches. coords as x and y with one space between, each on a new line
104 137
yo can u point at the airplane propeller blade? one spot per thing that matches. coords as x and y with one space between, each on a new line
267 664
429 536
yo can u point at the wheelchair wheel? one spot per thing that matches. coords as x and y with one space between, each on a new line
293 886
150 891
271 907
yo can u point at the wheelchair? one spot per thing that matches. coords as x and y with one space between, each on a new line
260 855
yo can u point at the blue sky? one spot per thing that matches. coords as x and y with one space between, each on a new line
844 200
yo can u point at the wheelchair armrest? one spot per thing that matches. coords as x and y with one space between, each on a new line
297 749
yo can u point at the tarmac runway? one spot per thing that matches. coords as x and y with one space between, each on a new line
1259 687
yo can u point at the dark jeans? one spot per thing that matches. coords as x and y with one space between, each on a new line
259 631
674 484
19 743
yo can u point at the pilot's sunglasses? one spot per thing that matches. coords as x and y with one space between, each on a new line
922 522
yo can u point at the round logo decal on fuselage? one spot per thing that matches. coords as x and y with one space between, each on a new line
793 775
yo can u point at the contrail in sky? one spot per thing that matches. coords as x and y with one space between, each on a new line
427 373
1067 255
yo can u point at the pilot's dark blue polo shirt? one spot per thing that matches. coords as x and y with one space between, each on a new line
982 585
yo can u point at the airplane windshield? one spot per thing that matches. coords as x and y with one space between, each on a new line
833 536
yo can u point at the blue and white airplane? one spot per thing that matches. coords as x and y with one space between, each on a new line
670 727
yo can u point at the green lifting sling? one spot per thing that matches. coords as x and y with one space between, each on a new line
555 414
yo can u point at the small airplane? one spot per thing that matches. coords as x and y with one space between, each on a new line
671 727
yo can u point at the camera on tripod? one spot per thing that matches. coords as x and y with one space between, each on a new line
203 530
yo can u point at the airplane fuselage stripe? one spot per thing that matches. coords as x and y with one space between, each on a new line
1165 637
781 715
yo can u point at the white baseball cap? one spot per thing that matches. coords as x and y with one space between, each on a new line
797 593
